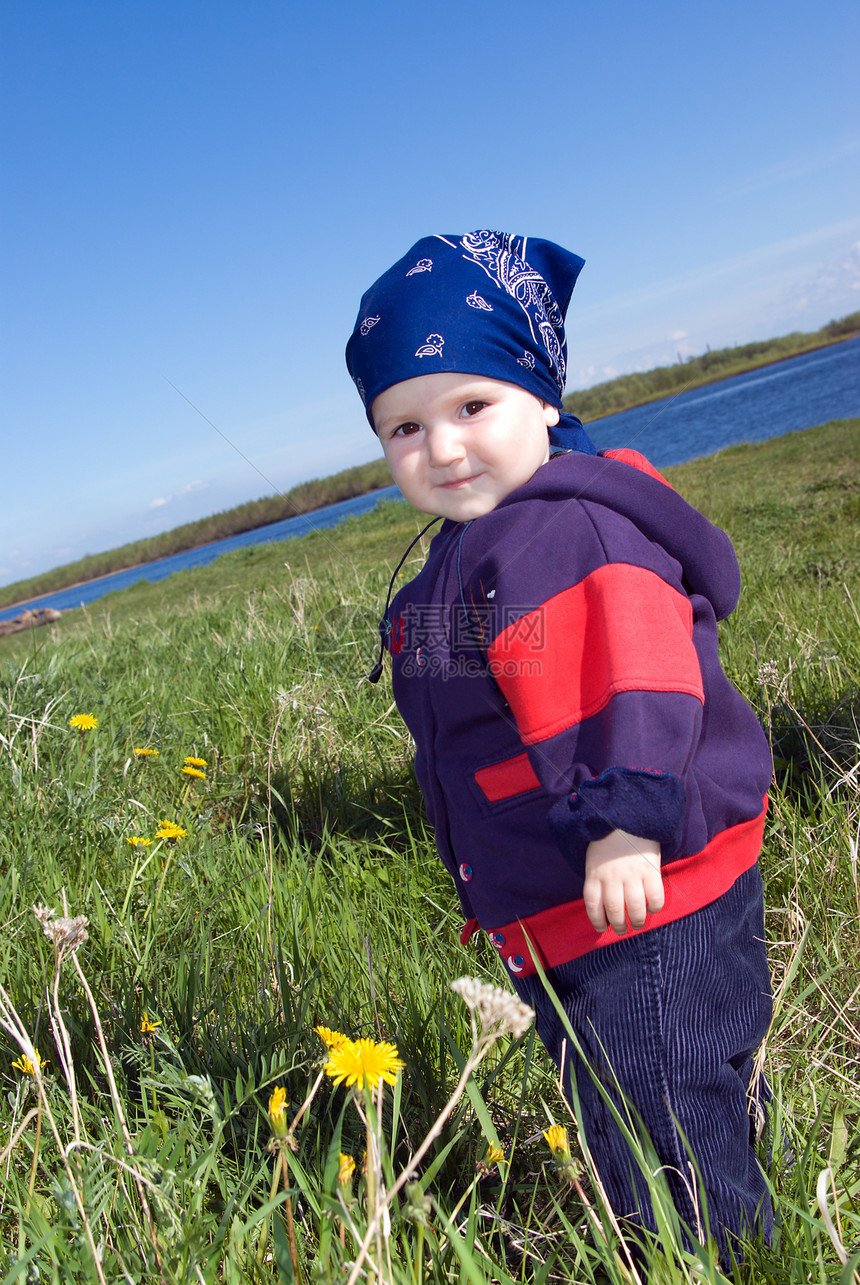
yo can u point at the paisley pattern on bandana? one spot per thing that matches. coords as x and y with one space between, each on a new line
432 348
483 303
502 257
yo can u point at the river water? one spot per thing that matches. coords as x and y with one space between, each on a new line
286 529
767 402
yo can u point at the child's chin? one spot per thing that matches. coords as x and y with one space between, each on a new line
475 507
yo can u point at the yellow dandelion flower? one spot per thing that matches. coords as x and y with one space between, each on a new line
278 1111
137 841
278 1103
145 753
330 1038
194 771
83 722
363 1062
26 1067
170 830
495 1155
557 1140
345 1170
193 762
146 1026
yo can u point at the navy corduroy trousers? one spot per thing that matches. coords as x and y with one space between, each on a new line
673 1016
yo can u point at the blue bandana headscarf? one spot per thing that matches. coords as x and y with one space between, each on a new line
487 303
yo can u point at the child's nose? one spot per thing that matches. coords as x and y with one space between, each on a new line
444 445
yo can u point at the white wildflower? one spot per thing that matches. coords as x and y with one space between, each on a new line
768 674
66 934
497 1009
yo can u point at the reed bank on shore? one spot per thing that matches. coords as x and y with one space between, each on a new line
791 502
603 399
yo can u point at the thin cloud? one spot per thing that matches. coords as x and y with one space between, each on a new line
747 262
829 287
188 489
792 168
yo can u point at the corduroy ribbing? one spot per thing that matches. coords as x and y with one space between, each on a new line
677 1014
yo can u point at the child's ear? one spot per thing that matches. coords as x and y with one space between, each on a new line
551 414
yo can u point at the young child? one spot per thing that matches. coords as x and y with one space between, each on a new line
596 784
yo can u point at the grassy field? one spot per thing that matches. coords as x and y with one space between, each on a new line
304 891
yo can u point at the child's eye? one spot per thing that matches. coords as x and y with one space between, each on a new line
474 408
407 429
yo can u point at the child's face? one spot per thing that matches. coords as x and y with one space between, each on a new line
458 444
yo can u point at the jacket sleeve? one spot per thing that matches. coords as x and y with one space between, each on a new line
603 680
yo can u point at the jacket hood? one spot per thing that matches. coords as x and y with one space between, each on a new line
626 483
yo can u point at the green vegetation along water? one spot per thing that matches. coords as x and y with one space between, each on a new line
619 394
305 498
300 888
627 391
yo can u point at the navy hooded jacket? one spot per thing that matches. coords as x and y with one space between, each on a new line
556 664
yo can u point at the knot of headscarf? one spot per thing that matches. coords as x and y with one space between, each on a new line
486 303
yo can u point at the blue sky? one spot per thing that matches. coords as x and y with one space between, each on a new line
198 191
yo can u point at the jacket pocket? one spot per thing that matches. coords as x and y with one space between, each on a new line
507 780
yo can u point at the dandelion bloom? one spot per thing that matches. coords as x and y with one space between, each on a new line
567 1168
557 1139
26 1067
170 830
278 1112
194 771
495 1155
145 753
278 1105
138 841
83 722
345 1170
363 1062
330 1038
193 762
146 1026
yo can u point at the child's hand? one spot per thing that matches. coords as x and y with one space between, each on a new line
622 874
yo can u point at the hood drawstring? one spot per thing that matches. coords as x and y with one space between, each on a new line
385 624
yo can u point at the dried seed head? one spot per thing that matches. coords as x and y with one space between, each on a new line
497 1008
66 934
768 674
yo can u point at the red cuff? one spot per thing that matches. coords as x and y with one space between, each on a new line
470 927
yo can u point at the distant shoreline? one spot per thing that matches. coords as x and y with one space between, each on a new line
363 479
309 497
133 566
705 380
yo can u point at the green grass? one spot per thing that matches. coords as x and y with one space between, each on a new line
307 891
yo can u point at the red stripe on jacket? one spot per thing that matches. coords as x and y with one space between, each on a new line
505 780
635 460
565 932
620 629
